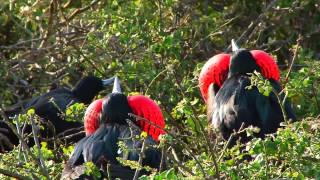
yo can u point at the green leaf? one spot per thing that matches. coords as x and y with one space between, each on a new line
31 112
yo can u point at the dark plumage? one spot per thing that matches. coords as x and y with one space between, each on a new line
7 137
115 109
100 146
52 105
234 104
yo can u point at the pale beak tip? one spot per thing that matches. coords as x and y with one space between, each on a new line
106 82
116 85
234 46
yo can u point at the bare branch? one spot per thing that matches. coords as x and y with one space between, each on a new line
253 24
13 175
79 11
295 53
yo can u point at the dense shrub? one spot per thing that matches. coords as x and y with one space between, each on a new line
157 48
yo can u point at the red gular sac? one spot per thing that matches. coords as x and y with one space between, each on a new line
269 68
141 106
215 70
92 117
153 122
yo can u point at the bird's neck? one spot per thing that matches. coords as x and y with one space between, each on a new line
83 96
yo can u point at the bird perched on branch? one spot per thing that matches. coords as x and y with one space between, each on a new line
107 121
51 107
225 86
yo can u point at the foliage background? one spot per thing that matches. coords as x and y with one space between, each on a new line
157 48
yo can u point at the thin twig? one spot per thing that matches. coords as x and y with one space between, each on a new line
177 160
229 141
295 53
23 143
73 135
187 147
18 44
36 140
314 93
87 59
50 28
216 32
108 171
203 132
79 11
22 147
153 80
13 175
253 24
141 156
162 161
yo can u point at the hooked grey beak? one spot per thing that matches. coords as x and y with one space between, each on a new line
106 82
234 46
116 85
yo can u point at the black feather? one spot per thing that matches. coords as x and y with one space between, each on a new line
102 147
115 109
235 104
51 106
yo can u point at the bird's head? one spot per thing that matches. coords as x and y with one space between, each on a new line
219 67
116 107
88 87
113 108
242 61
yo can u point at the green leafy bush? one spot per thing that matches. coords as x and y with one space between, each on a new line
157 48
